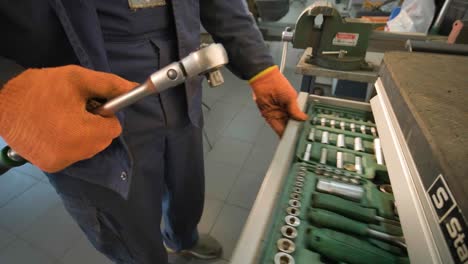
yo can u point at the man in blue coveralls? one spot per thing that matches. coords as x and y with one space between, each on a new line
118 176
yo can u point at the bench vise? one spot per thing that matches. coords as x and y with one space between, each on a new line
337 43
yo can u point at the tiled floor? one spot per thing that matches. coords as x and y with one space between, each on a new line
34 227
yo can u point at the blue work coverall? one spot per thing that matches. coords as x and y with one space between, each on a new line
155 168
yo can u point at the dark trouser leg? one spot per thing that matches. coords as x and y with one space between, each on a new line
185 188
127 231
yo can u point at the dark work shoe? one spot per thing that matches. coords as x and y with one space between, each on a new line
206 248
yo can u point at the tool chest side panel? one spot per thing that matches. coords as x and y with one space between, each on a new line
429 94
425 241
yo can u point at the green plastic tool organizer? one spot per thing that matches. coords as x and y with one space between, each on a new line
314 224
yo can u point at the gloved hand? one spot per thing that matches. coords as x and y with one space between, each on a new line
276 99
43 114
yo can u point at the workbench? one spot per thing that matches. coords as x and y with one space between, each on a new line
421 112
311 71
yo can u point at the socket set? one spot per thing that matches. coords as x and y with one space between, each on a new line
337 204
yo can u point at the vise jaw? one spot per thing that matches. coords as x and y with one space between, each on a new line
336 42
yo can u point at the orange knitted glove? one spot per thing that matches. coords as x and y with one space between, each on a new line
276 99
43 114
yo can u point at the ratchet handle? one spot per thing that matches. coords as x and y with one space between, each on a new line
344 207
6 163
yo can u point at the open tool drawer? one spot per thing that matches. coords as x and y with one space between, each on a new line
327 195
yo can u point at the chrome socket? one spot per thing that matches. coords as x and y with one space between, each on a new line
323 156
289 231
339 160
294 211
332 123
325 135
349 191
307 152
314 120
358 144
343 125
294 203
292 220
363 129
284 258
340 141
299 184
285 245
295 196
358 164
323 121
297 189
352 126
312 134
378 152
354 181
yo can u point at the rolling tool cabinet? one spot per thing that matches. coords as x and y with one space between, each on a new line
383 182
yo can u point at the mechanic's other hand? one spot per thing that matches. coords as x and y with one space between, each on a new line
276 99
43 114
